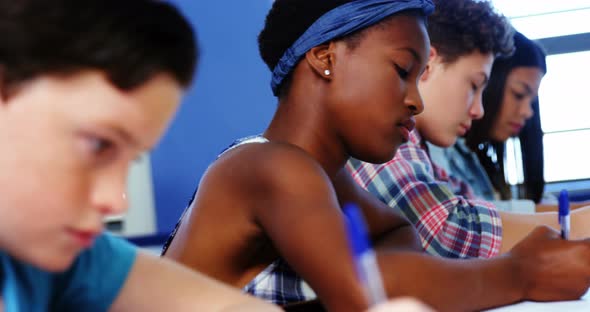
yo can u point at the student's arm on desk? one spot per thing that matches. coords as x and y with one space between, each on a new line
543 267
157 284
552 207
515 226
300 213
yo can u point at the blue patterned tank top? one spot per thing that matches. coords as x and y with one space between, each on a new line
278 283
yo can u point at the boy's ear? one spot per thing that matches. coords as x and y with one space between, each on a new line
321 59
433 59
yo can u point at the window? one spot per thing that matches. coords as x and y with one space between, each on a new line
523 8
562 23
563 158
563 96
547 18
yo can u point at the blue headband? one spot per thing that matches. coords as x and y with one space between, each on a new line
342 21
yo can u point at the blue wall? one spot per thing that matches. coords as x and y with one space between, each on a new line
231 98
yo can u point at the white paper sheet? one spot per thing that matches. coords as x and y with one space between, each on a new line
561 306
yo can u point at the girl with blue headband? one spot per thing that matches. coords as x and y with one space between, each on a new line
267 214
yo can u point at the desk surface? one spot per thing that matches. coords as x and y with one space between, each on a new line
562 306
569 306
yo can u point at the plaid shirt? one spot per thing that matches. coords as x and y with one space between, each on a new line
450 221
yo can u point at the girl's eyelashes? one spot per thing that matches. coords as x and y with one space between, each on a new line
403 73
517 95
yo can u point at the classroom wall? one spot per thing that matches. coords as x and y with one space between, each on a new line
231 98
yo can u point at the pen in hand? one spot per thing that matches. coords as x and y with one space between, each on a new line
364 256
564 214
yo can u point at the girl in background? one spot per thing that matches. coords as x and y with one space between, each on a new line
511 109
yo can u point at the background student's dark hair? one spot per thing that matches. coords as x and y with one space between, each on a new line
460 27
287 20
129 42
531 142
490 152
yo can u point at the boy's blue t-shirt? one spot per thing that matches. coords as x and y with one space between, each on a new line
92 283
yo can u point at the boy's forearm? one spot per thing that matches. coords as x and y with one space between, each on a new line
580 223
516 226
401 238
156 284
553 207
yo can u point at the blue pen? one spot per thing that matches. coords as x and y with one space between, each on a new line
364 256
564 214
